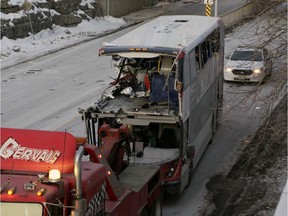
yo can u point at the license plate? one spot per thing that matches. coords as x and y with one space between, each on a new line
241 77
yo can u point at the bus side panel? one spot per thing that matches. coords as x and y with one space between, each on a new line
194 120
206 61
209 89
186 87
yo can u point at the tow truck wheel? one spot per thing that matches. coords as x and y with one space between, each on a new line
157 209
145 212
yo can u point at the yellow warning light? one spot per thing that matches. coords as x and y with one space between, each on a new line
11 191
54 175
41 192
138 49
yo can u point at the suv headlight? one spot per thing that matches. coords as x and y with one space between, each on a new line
228 69
257 70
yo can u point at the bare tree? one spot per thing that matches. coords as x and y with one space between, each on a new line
268 28
254 183
274 34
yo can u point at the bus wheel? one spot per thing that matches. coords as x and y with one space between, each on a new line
190 173
214 126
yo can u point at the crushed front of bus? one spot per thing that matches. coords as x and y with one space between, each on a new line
146 96
166 91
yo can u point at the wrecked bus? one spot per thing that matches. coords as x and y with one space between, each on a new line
168 91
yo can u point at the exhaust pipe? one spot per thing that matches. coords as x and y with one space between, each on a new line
79 201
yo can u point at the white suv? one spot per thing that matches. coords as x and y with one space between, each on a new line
248 65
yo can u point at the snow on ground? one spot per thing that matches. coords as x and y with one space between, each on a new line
50 40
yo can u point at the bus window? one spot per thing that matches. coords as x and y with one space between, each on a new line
186 71
215 41
209 48
197 58
204 53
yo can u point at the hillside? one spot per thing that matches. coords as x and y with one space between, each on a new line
255 182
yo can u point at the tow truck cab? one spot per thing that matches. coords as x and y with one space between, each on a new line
42 174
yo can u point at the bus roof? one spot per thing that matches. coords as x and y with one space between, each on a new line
173 32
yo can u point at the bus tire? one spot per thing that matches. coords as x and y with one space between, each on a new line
190 173
214 126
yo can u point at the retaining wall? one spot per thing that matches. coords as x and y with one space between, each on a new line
64 13
118 8
235 16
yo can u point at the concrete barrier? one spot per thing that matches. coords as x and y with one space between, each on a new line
118 8
235 16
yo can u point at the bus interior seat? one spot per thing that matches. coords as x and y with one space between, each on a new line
158 90
161 88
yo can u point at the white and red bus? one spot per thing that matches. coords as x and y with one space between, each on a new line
168 91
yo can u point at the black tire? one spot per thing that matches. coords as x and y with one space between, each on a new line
190 155
269 74
215 124
262 81
145 212
190 173
156 210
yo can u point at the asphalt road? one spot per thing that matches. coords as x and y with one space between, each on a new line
43 93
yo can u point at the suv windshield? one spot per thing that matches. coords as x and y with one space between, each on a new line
247 56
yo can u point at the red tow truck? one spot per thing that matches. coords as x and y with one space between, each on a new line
45 173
